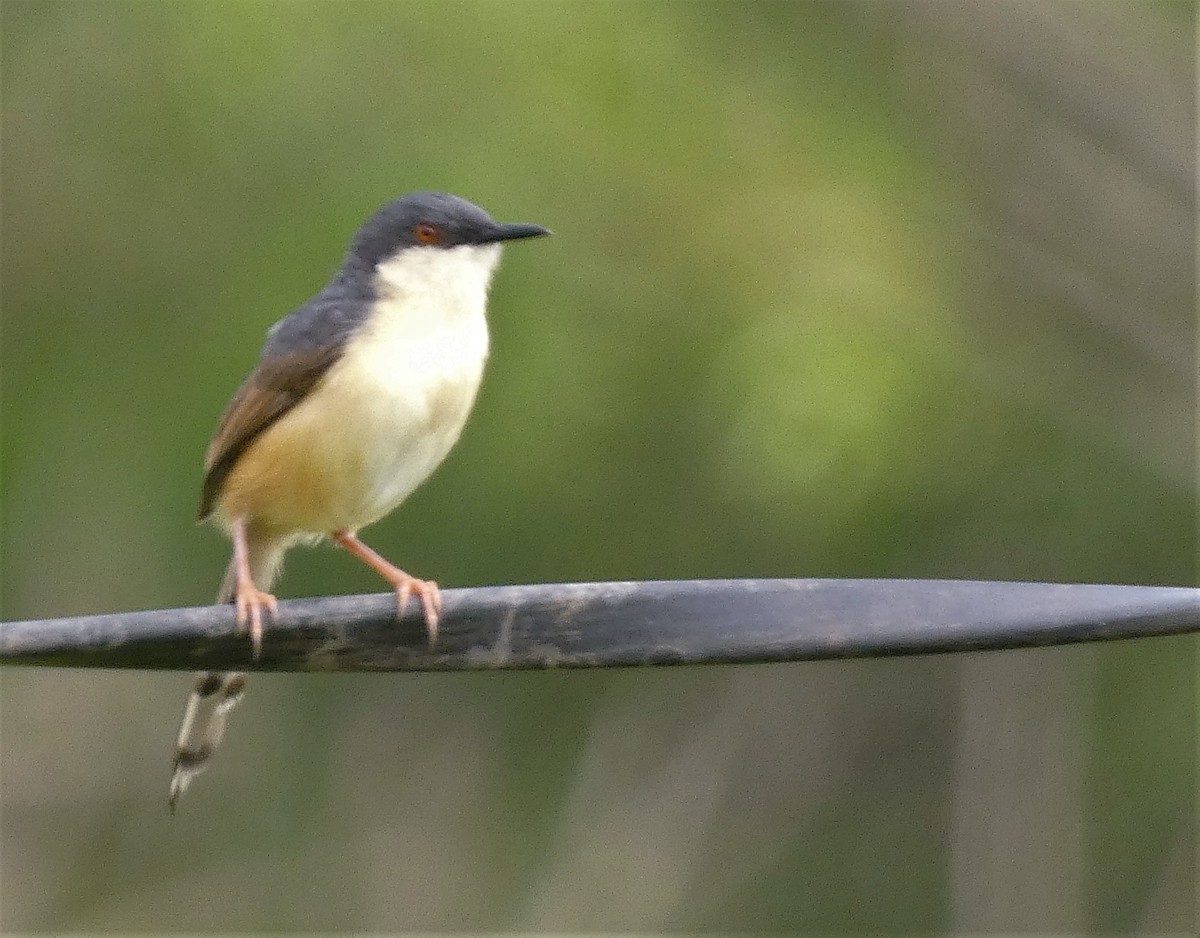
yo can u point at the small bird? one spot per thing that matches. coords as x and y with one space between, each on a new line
357 397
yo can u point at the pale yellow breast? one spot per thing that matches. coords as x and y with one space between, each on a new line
377 424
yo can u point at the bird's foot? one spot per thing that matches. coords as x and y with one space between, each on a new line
250 602
404 584
426 591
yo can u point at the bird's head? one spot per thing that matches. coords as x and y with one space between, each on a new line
424 222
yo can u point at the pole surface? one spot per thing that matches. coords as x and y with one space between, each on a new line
589 625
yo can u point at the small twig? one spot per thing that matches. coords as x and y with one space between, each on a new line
617 624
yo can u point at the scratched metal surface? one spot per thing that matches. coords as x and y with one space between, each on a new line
618 625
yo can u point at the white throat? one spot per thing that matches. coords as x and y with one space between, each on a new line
429 323
436 288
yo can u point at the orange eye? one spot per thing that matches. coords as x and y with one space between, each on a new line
427 233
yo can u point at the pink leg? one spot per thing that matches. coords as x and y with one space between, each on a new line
404 584
249 598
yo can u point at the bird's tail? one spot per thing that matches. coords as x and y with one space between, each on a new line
215 693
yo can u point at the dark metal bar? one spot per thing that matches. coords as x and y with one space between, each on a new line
589 625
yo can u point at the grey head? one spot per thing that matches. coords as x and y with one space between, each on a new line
429 220
422 221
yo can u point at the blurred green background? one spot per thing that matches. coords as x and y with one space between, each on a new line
895 289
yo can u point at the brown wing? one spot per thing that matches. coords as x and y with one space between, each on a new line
278 384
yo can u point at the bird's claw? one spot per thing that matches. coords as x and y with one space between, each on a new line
431 601
250 601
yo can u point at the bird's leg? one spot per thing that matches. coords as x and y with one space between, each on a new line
249 598
404 584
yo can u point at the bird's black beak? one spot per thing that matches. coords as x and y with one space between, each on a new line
517 230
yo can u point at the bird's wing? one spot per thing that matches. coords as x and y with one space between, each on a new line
279 383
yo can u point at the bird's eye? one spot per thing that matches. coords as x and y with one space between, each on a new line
427 233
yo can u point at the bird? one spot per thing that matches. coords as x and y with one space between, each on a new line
358 395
